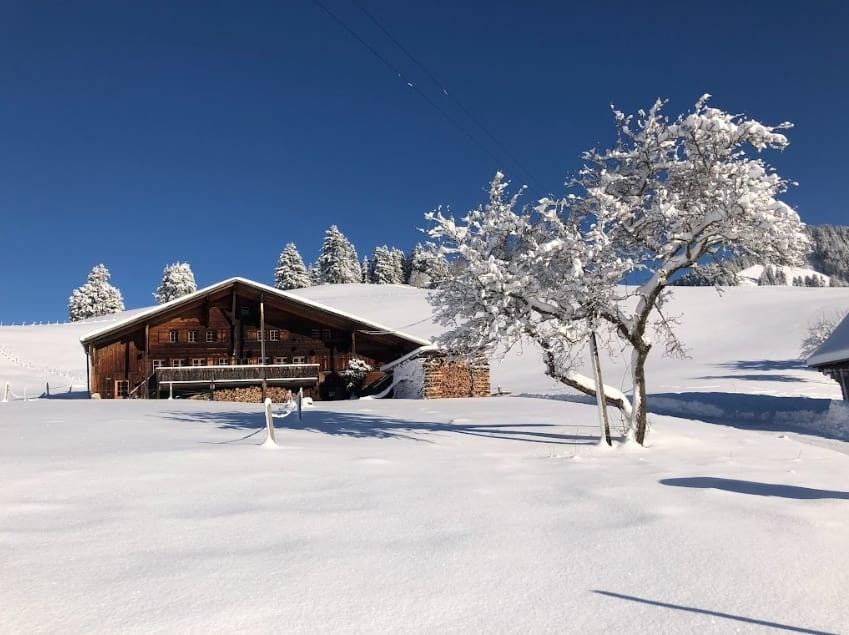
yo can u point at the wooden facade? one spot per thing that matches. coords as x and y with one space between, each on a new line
236 333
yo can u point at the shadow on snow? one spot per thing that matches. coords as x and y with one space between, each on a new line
754 488
693 609
356 425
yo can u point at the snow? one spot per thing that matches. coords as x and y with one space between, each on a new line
496 515
750 275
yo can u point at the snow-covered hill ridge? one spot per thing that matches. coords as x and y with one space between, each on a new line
745 340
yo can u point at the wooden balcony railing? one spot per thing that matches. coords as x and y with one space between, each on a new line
248 374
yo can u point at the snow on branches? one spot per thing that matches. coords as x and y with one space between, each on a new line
177 281
666 197
96 297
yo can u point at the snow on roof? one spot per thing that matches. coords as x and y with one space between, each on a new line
147 313
835 348
410 355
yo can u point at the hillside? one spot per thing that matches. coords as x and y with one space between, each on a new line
456 515
743 341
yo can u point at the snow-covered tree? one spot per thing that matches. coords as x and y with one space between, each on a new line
338 262
177 281
366 270
291 273
819 330
668 195
399 260
96 297
428 267
387 265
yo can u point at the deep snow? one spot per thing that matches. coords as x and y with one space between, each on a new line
489 515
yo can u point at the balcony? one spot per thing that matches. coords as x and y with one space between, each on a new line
273 374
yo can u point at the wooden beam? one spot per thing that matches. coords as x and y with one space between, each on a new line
262 344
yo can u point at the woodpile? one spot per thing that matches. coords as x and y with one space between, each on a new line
446 379
253 394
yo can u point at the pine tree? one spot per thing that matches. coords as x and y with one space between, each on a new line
96 297
427 267
366 268
398 257
382 266
781 277
177 281
338 262
291 273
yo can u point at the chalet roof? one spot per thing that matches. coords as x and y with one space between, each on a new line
144 315
835 349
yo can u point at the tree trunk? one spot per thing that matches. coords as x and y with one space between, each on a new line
638 400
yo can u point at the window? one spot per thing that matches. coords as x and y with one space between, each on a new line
316 334
273 335
193 337
298 359
244 311
198 362
158 363
172 337
122 388
265 360
223 361
326 334
259 335
281 360
211 336
176 363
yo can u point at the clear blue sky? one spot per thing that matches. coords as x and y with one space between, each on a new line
136 134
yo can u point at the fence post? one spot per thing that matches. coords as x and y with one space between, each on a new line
170 391
6 393
271 440
47 389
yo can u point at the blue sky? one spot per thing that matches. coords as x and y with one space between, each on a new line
137 134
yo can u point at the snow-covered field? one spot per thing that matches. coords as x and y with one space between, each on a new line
487 515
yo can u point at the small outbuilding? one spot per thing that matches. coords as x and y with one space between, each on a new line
832 357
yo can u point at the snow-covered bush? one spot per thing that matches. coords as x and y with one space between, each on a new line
819 330
428 267
96 297
354 374
291 273
177 281
666 196
338 262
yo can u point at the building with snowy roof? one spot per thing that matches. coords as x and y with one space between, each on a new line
240 340
832 357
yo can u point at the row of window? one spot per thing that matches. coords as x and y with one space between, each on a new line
192 336
224 361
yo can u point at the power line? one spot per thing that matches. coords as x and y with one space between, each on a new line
433 78
398 73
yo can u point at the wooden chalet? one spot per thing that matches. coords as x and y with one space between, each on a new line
237 340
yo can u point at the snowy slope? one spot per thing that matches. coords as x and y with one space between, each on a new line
470 515
750 275
743 341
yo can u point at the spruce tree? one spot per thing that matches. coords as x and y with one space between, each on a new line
382 266
291 273
177 281
366 268
338 262
96 297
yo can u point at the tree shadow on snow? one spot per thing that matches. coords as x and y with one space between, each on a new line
754 488
727 616
739 410
347 424
761 377
764 364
